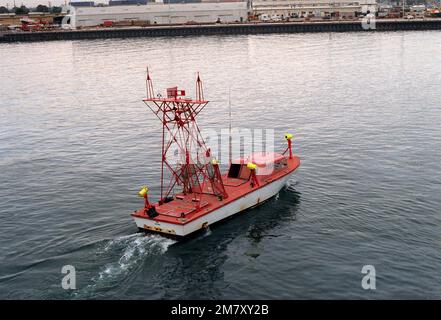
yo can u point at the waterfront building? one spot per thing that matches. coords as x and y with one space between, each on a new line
8 19
159 13
384 10
12 19
82 3
418 11
313 8
126 2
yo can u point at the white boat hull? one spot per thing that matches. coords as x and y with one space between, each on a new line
228 210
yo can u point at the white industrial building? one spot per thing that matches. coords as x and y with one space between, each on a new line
316 8
159 13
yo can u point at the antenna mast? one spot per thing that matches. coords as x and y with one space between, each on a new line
192 167
149 85
230 151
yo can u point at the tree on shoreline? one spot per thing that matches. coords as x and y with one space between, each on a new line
56 10
4 9
42 8
21 10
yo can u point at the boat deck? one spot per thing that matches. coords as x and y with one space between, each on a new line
183 208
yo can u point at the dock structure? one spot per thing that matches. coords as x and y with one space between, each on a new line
224 29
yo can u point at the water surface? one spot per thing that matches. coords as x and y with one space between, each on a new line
76 143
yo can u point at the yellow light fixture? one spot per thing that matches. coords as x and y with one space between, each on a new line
251 166
143 192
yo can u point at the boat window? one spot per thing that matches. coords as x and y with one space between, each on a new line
239 171
234 170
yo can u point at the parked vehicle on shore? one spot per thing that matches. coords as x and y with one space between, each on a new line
30 25
276 18
264 17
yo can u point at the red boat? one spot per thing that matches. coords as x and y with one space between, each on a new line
197 194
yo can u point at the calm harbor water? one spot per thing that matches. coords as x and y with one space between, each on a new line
76 143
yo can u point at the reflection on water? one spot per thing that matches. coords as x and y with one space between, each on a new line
286 202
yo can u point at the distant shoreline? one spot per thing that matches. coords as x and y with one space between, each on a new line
221 29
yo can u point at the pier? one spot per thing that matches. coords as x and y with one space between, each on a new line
222 29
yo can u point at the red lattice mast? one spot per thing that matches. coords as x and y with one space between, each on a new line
184 153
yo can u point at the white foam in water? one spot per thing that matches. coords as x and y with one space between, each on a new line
118 240
134 248
290 185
